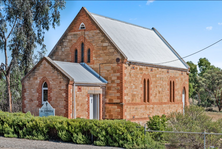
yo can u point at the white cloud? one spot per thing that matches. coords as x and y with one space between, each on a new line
149 2
219 23
209 28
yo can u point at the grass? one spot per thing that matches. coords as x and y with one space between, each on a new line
214 114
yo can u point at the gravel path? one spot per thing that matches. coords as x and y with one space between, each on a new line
15 143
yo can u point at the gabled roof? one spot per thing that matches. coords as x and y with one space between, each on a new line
140 44
74 72
137 44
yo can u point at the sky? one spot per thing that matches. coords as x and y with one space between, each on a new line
188 26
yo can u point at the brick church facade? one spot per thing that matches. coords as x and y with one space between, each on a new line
103 68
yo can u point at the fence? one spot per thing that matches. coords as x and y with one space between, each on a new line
180 132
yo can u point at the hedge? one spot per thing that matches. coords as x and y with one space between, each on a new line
118 133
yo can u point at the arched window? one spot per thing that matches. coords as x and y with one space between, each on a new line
172 91
88 56
148 90
82 52
44 92
144 90
82 26
184 98
76 56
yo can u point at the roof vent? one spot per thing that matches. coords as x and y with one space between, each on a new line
82 26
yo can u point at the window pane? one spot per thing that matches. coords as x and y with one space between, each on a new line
45 85
88 55
45 95
144 90
76 56
82 52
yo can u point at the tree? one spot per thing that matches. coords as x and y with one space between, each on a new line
211 82
22 26
203 65
192 79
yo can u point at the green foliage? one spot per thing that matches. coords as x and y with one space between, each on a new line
22 28
203 65
194 120
119 133
157 123
211 84
192 79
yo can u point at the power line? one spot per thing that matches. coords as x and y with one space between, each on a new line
192 53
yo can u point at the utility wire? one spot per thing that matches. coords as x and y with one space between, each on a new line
192 53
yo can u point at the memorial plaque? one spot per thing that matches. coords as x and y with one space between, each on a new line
46 110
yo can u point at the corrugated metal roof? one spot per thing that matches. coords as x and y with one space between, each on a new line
79 73
139 44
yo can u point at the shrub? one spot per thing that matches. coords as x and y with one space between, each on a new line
105 132
194 120
157 123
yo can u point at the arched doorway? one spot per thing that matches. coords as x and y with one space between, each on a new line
184 98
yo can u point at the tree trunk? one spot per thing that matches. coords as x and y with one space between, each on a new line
9 92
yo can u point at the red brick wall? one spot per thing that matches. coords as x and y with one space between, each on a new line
82 94
57 90
135 109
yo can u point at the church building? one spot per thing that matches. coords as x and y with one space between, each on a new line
103 68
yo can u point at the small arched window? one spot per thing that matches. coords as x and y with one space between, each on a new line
82 52
82 26
44 92
172 91
148 90
76 56
144 90
88 56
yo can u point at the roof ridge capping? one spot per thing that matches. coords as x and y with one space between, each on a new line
121 21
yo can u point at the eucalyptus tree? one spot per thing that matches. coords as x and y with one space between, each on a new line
211 83
22 27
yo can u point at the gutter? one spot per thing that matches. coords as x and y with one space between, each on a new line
157 66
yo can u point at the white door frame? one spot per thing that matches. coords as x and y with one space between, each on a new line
91 106
92 99
183 98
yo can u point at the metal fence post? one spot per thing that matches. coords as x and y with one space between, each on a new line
204 140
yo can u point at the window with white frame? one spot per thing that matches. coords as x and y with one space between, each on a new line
82 26
44 92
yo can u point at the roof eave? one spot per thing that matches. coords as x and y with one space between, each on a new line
90 84
157 66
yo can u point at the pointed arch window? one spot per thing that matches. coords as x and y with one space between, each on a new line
148 90
144 90
44 92
88 56
172 91
76 56
82 26
82 52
